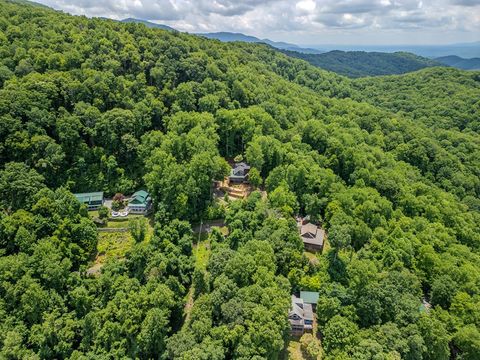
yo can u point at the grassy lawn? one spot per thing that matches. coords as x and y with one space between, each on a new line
113 245
202 253
122 222
117 224
204 234
312 257
117 244
326 245
201 248
293 351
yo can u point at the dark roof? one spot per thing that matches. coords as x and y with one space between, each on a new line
312 234
239 169
242 165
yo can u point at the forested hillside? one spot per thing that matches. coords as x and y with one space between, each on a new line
148 24
239 37
389 166
459 62
356 64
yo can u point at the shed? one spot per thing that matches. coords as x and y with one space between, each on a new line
93 200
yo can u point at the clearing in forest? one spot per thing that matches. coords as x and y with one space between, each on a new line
115 244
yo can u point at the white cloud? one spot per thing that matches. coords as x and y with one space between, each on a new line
301 21
306 6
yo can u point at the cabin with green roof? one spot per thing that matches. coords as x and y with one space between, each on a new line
140 203
93 200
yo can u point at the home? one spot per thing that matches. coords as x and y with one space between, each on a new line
239 173
139 203
93 200
312 235
300 317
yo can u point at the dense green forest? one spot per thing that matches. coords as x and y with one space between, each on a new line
389 165
356 64
148 24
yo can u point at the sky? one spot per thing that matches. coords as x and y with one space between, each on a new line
303 22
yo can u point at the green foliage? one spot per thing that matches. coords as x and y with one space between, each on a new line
19 184
467 339
388 166
255 178
436 338
339 333
443 291
103 212
138 228
311 347
180 177
238 158
117 205
283 199
360 63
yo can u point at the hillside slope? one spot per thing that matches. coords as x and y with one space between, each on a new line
148 24
234 37
439 97
98 105
360 64
460 63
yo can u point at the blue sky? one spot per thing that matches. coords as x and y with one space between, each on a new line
304 22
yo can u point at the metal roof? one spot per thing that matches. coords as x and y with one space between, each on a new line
141 197
309 297
89 197
142 193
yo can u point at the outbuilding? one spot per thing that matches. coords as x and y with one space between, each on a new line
93 200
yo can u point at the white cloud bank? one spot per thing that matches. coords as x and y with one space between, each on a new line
303 21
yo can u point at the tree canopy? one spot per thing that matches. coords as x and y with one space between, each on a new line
388 166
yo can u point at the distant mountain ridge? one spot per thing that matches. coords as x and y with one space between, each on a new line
465 50
356 64
232 37
229 37
459 62
349 63
368 63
